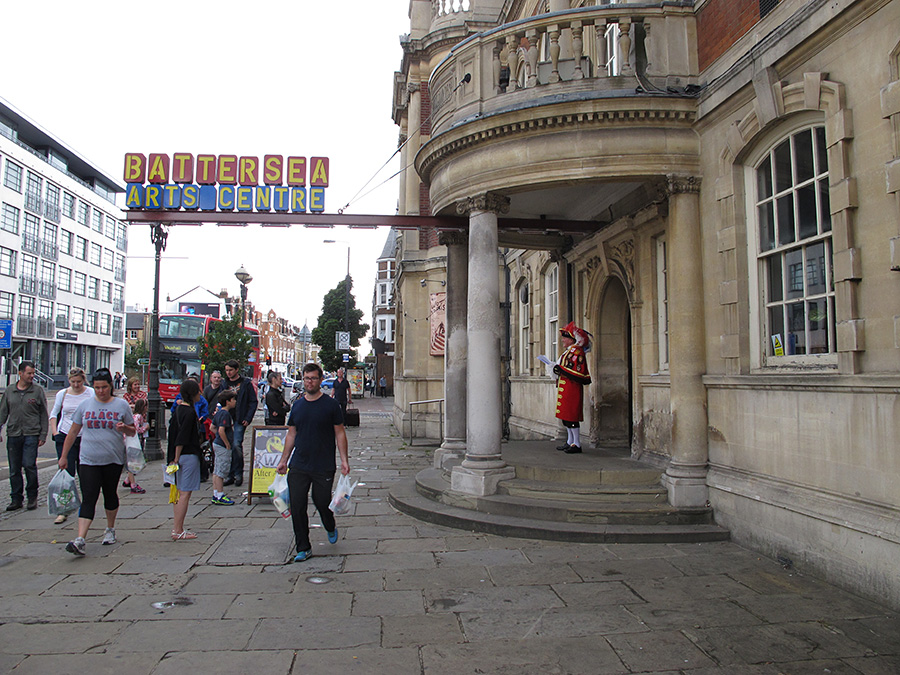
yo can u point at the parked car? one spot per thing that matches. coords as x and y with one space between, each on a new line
328 383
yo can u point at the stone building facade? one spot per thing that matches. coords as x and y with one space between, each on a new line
709 187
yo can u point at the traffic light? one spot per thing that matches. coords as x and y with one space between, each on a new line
268 360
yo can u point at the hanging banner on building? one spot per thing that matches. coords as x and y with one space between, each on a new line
184 182
438 316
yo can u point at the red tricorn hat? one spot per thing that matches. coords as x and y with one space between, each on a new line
582 337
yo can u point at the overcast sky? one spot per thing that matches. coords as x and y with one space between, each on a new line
222 77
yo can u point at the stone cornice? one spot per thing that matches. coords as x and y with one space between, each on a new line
635 112
453 238
677 184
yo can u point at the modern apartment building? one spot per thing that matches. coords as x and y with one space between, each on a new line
63 250
713 188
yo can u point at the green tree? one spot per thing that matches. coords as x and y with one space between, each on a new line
226 340
139 351
332 320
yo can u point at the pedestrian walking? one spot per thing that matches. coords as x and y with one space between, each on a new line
212 390
341 392
277 407
24 408
243 416
117 380
140 420
184 453
382 383
64 406
102 420
315 427
133 391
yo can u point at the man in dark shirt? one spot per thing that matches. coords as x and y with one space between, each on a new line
212 390
243 416
276 407
315 427
342 392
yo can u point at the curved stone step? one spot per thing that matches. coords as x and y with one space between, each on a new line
405 498
581 492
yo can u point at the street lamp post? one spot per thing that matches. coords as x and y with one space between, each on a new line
156 411
244 277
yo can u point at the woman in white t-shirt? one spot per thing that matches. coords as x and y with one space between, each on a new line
64 407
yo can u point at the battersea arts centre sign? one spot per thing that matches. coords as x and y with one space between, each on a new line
225 183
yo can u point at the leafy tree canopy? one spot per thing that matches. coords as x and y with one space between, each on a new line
139 351
332 320
226 340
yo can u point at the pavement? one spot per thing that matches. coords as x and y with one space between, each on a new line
396 595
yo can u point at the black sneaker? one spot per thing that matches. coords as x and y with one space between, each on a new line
76 547
14 506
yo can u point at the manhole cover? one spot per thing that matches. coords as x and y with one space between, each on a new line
169 604
318 580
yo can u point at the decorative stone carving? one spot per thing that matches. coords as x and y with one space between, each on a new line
594 264
682 184
621 256
453 238
493 202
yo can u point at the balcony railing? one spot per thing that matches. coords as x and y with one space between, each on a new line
45 328
26 325
49 250
28 284
31 243
51 212
619 49
47 289
34 203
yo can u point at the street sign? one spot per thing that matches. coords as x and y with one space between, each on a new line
346 358
342 341
5 333
143 362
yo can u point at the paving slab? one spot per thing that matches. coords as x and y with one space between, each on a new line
537 656
659 650
491 599
115 584
254 547
56 608
209 635
59 638
606 570
475 576
420 629
158 564
380 603
290 605
596 594
140 607
345 581
316 633
95 664
26 583
776 643
357 661
532 575
559 622
226 663
876 665
219 582
390 561
880 634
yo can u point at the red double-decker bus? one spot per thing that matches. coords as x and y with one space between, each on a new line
180 352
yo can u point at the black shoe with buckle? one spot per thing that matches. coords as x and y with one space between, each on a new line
573 450
564 446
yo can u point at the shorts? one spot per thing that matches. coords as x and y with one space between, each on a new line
188 476
223 461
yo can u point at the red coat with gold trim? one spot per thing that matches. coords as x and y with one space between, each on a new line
569 387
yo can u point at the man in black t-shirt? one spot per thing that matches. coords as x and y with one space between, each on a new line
342 391
315 429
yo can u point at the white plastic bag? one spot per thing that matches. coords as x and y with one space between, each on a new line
134 454
62 495
340 501
280 495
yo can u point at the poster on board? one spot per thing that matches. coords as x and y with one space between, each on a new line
355 378
265 453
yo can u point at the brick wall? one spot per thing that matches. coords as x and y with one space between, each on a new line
720 24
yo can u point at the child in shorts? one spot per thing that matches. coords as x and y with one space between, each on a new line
224 429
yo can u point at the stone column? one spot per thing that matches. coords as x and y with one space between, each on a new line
685 478
454 445
414 117
483 466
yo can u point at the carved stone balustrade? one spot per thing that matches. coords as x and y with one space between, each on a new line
617 50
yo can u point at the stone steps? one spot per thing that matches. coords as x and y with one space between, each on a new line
599 495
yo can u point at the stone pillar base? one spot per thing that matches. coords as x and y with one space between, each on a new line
686 485
449 454
479 482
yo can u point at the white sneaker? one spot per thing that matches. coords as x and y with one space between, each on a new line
109 537
76 546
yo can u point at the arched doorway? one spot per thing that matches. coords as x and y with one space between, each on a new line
613 393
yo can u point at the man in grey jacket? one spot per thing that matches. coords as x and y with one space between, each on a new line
24 408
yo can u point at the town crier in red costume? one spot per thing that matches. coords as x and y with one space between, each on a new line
572 372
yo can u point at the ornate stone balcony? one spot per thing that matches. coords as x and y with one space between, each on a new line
631 66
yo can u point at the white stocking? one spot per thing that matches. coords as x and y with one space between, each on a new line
569 435
576 436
